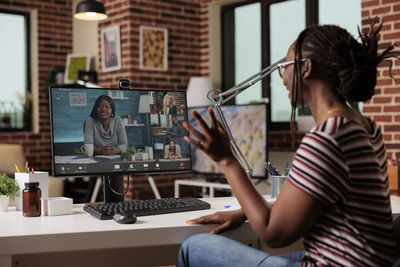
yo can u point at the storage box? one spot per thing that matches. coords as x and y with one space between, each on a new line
57 206
22 178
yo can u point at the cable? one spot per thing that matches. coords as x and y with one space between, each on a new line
115 192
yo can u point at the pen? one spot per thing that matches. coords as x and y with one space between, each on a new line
16 167
288 170
276 170
269 168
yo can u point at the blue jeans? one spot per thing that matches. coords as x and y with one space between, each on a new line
216 250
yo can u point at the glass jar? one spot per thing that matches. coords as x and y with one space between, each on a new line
31 199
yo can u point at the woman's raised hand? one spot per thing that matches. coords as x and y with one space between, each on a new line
214 141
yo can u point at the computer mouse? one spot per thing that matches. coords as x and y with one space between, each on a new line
125 217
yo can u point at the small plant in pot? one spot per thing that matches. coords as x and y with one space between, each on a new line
125 118
8 189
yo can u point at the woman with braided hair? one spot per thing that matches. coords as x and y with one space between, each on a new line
337 194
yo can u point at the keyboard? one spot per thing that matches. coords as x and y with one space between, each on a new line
106 211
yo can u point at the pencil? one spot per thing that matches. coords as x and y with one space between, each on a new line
16 167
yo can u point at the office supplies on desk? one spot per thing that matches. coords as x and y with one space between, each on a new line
106 211
41 177
31 200
54 206
276 185
16 167
278 180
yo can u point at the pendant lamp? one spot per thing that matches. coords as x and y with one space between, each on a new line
90 10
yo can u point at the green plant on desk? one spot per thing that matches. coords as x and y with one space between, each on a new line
77 151
8 186
130 151
124 116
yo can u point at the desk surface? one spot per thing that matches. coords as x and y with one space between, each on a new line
80 231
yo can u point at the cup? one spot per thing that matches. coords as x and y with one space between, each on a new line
276 185
87 149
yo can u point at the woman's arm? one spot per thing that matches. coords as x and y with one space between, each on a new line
166 154
178 152
293 212
122 138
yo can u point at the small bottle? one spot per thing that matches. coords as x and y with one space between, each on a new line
31 200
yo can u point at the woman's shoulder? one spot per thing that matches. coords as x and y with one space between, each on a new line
89 119
117 120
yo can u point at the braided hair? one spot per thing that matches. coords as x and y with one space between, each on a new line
347 66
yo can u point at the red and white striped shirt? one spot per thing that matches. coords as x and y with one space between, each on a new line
343 166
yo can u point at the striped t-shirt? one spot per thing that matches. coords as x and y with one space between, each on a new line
343 166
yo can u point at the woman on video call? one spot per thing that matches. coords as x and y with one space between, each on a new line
336 196
104 133
173 151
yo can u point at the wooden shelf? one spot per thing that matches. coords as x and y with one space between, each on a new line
133 125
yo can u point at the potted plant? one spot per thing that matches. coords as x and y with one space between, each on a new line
8 189
125 118
130 153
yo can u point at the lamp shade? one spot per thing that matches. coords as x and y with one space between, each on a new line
197 91
90 10
144 104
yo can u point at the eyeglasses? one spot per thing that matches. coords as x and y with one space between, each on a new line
283 65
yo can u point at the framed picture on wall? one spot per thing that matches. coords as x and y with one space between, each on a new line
74 64
153 48
110 49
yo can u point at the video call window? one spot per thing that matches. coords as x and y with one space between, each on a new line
96 131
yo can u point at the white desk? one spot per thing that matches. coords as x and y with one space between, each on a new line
57 240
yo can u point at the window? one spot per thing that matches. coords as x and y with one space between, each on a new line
15 103
257 33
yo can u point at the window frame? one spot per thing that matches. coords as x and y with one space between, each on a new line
28 70
228 51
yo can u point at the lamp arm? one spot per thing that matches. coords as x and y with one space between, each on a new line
236 150
237 89
217 98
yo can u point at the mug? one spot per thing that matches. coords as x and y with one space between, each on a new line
87 149
276 185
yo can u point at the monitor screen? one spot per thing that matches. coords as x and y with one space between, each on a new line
248 125
107 131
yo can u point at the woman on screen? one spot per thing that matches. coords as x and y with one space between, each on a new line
170 105
336 196
172 151
104 133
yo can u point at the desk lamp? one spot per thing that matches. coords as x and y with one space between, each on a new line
218 98
197 90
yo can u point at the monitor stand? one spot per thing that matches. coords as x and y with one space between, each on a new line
113 188
117 184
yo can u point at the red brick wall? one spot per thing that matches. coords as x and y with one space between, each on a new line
384 107
54 43
180 17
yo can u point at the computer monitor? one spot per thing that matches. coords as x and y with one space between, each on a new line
103 132
248 125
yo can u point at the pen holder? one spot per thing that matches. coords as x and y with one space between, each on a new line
22 178
276 185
